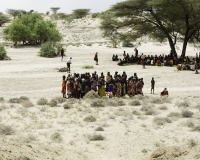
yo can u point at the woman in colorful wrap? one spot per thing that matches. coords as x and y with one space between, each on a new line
101 87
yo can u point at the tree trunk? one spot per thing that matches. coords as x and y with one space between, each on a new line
172 46
184 48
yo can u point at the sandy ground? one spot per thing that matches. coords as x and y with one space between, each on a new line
130 130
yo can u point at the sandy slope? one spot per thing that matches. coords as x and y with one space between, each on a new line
127 135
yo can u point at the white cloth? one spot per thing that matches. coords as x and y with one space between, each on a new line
69 61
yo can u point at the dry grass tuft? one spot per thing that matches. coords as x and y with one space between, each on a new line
6 130
98 103
42 101
99 129
111 102
135 103
184 104
196 128
136 112
161 120
15 100
3 106
198 107
174 115
148 110
192 143
24 98
1 99
91 95
96 137
89 119
162 107
56 137
166 99
156 100
60 99
67 106
27 104
187 114
53 103
189 123
120 103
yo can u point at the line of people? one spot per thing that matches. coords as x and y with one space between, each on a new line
77 85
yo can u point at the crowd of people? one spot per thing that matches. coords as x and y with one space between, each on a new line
77 85
160 60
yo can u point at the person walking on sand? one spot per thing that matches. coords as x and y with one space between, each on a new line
63 91
69 62
152 85
96 58
62 54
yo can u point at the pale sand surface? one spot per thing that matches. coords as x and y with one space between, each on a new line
127 136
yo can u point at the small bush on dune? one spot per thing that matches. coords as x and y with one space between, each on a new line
56 137
136 112
96 137
156 100
189 124
151 111
1 99
111 102
53 103
88 67
161 120
67 106
42 101
15 100
184 104
135 103
99 129
197 107
3 54
120 103
166 99
6 130
24 98
192 143
174 115
89 119
163 107
98 103
91 95
196 128
60 99
187 114
27 104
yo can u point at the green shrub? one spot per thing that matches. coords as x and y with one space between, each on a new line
27 104
99 129
91 95
24 98
60 99
163 107
161 120
50 50
15 100
1 99
56 137
88 67
6 130
120 103
53 103
67 106
2 52
174 115
196 128
98 103
135 103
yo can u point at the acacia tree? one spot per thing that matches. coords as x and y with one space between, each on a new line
80 13
33 29
172 20
15 12
54 9
3 19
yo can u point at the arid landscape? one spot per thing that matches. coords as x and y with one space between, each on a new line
36 123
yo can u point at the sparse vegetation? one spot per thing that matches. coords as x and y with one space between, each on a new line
111 102
161 120
144 151
135 103
120 103
189 123
196 128
187 114
24 98
148 110
174 115
27 104
88 67
157 100
53 103
67 106
56 137
184 104
60 99
3 53
15 100
98 103
136 112
162 107
1 99
192 143
96 137
89 119
42 101
99 129
6 130
91 95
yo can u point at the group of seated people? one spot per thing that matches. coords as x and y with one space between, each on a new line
161 60
77 85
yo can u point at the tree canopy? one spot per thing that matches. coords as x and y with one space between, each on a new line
80 13
3 19
171 20
33 29
15 12
54 9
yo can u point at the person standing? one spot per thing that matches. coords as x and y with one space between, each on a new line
152 85
62 54
69 62
63 91
96 58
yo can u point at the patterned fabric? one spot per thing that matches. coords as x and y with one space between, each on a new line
118 89
63 87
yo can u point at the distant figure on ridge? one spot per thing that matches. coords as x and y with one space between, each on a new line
152 85
62 54
96 58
